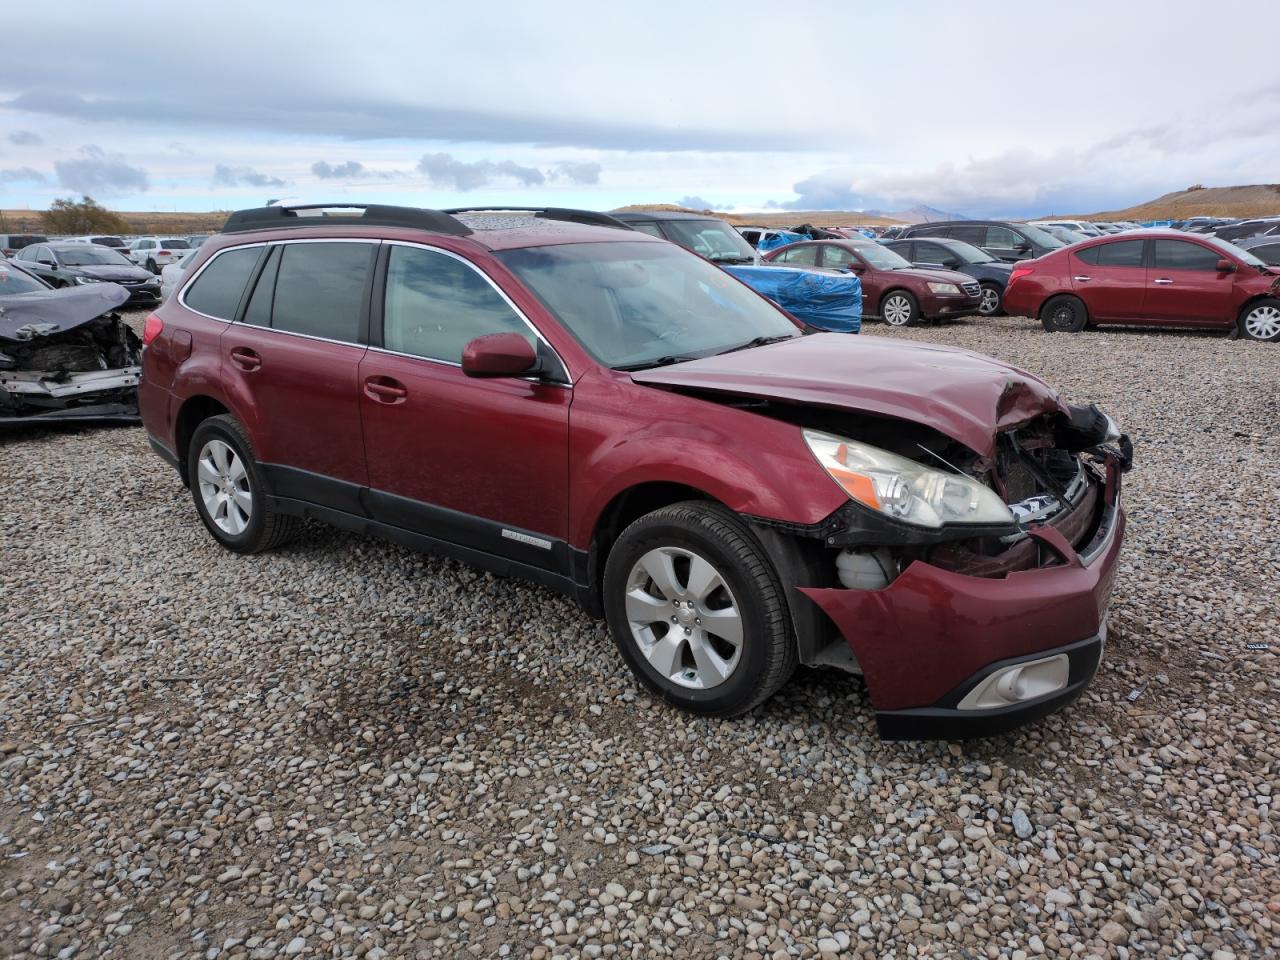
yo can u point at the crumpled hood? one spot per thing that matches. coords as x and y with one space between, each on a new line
963 395
113 271
61 310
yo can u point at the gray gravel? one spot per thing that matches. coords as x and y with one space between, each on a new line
345 748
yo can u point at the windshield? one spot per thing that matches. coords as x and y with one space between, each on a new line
711 238
1039 237
968 253
633 304
1238 252
13 280
175 244
882 258
91 255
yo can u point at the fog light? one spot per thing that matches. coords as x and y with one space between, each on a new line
1019 683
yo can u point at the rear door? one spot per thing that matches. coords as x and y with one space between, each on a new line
1184 285
294 361
479 462
1111 279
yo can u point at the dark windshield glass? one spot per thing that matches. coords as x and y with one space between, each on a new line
91 255
968 253
175 245
711 238
633 303
13 280
1038 236
1238 252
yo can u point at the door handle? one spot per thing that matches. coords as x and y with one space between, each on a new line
1082 279
1162 280
385 390
245 359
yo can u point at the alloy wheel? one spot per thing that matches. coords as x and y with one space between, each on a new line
1263 323
897 311
990 301
224 487
684 618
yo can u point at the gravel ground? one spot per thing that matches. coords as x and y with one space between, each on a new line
345 748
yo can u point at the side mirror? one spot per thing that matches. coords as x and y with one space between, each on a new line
1022 247
1226 266
499 355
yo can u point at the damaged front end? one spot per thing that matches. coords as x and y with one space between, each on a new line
65 356
964 628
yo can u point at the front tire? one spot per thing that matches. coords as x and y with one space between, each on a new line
697 611
1260 320
1064 314
992 299
229 489
899 309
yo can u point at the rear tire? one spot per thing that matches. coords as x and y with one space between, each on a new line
992 299
1260 320
697 611
230 490
899 308
1064 314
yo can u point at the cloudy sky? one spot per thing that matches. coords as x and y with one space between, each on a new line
996 109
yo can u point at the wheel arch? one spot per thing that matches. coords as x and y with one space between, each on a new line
194 411
885 294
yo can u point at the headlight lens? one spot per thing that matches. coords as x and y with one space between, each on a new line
83 279
946 289
904 489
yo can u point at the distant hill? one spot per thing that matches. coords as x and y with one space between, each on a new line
140 222
1256 200
919 214
785 218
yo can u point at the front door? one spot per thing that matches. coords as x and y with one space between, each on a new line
1185 286
294 360
482 463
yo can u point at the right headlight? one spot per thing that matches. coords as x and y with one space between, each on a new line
904 489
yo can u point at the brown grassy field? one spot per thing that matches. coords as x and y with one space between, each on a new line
143 222
1256 200
786 218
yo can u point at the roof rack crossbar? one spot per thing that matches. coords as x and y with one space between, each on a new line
370 215
589 217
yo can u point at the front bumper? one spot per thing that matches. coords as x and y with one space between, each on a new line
939 306
932 635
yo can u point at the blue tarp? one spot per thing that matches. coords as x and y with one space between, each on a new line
780 239
828 301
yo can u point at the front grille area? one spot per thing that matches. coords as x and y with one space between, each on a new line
972 289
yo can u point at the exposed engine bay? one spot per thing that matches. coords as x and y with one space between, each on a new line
65 355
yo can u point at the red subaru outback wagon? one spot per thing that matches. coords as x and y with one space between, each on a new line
545 395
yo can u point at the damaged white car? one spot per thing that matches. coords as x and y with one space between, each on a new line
65 355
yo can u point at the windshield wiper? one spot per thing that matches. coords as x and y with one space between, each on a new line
659 362
760 342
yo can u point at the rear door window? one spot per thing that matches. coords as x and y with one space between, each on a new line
1123 253
975 234
218 289
805 256
320 289
930 253
436 304
1002 238
1184 255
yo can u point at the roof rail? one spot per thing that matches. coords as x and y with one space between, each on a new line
588 217
365 215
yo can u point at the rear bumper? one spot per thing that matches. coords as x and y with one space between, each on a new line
929 637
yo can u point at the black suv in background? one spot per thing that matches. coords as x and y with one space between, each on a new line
992 274
1003 240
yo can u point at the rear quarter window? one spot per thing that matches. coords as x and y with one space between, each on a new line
216 292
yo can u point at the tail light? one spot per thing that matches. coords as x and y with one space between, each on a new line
151 329
1020 272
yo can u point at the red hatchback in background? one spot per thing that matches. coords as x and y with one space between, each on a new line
1156 277
892 288
546 395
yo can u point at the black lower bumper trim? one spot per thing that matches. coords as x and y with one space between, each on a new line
945 721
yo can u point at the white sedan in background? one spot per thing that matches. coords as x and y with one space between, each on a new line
171 276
